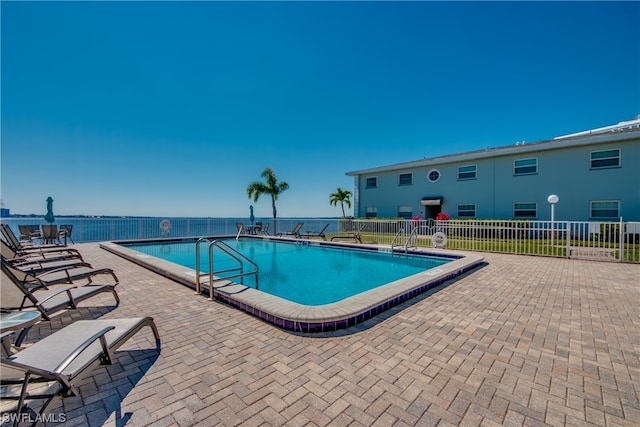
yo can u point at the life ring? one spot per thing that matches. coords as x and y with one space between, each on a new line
439 239
165 225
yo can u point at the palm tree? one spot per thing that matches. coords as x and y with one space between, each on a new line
341 196
271 187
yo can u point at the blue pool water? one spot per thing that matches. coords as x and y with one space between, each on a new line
300 272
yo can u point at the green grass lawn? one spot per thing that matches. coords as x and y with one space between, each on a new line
511 246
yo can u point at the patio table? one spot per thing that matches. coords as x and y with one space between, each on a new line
11 321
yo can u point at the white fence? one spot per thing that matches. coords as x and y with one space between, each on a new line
87 229
604 241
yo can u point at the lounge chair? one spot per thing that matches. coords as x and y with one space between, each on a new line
9 251
65 274
44 252
18 294
38 267
310 234
56 365
353 235
36 261
28 247
295 232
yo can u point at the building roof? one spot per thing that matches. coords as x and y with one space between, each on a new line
622 131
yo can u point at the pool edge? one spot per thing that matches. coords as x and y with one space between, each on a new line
325 318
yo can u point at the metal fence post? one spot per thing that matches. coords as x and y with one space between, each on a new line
569 234
621 237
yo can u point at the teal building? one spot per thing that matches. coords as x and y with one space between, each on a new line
594 174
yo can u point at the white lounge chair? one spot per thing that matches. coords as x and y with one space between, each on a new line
31 378
20 294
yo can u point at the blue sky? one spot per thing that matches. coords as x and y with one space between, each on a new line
172 109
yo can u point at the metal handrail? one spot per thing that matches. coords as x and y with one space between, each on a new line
233 254
200 240
414 232
395 238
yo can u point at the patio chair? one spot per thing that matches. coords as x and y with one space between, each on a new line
28 233
265 230
56 365
310 234
17 294
240 227
295 232
25 233
257 229
65 233
50 234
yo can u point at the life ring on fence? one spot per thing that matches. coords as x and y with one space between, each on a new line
165 225
439 239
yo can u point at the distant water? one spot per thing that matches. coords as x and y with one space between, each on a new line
103 229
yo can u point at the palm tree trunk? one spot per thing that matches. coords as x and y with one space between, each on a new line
273 205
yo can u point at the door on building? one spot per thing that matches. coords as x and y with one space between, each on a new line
432 206
431 212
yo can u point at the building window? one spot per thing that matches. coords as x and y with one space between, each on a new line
601 209
466 211
405 212
433 175
466 172
405 179
525 210
371 212
525 166
372 182
605 159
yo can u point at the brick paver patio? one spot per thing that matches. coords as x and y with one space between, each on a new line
521 341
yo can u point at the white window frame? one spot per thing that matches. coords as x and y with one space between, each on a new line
466 210
410 174
525 216
475 172
366 182
591 209
371 212
515 168
619 157
432 171
405 209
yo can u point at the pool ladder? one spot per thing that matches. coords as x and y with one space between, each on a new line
401 232
229 252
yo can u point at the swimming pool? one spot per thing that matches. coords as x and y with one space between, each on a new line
301 272
313 273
